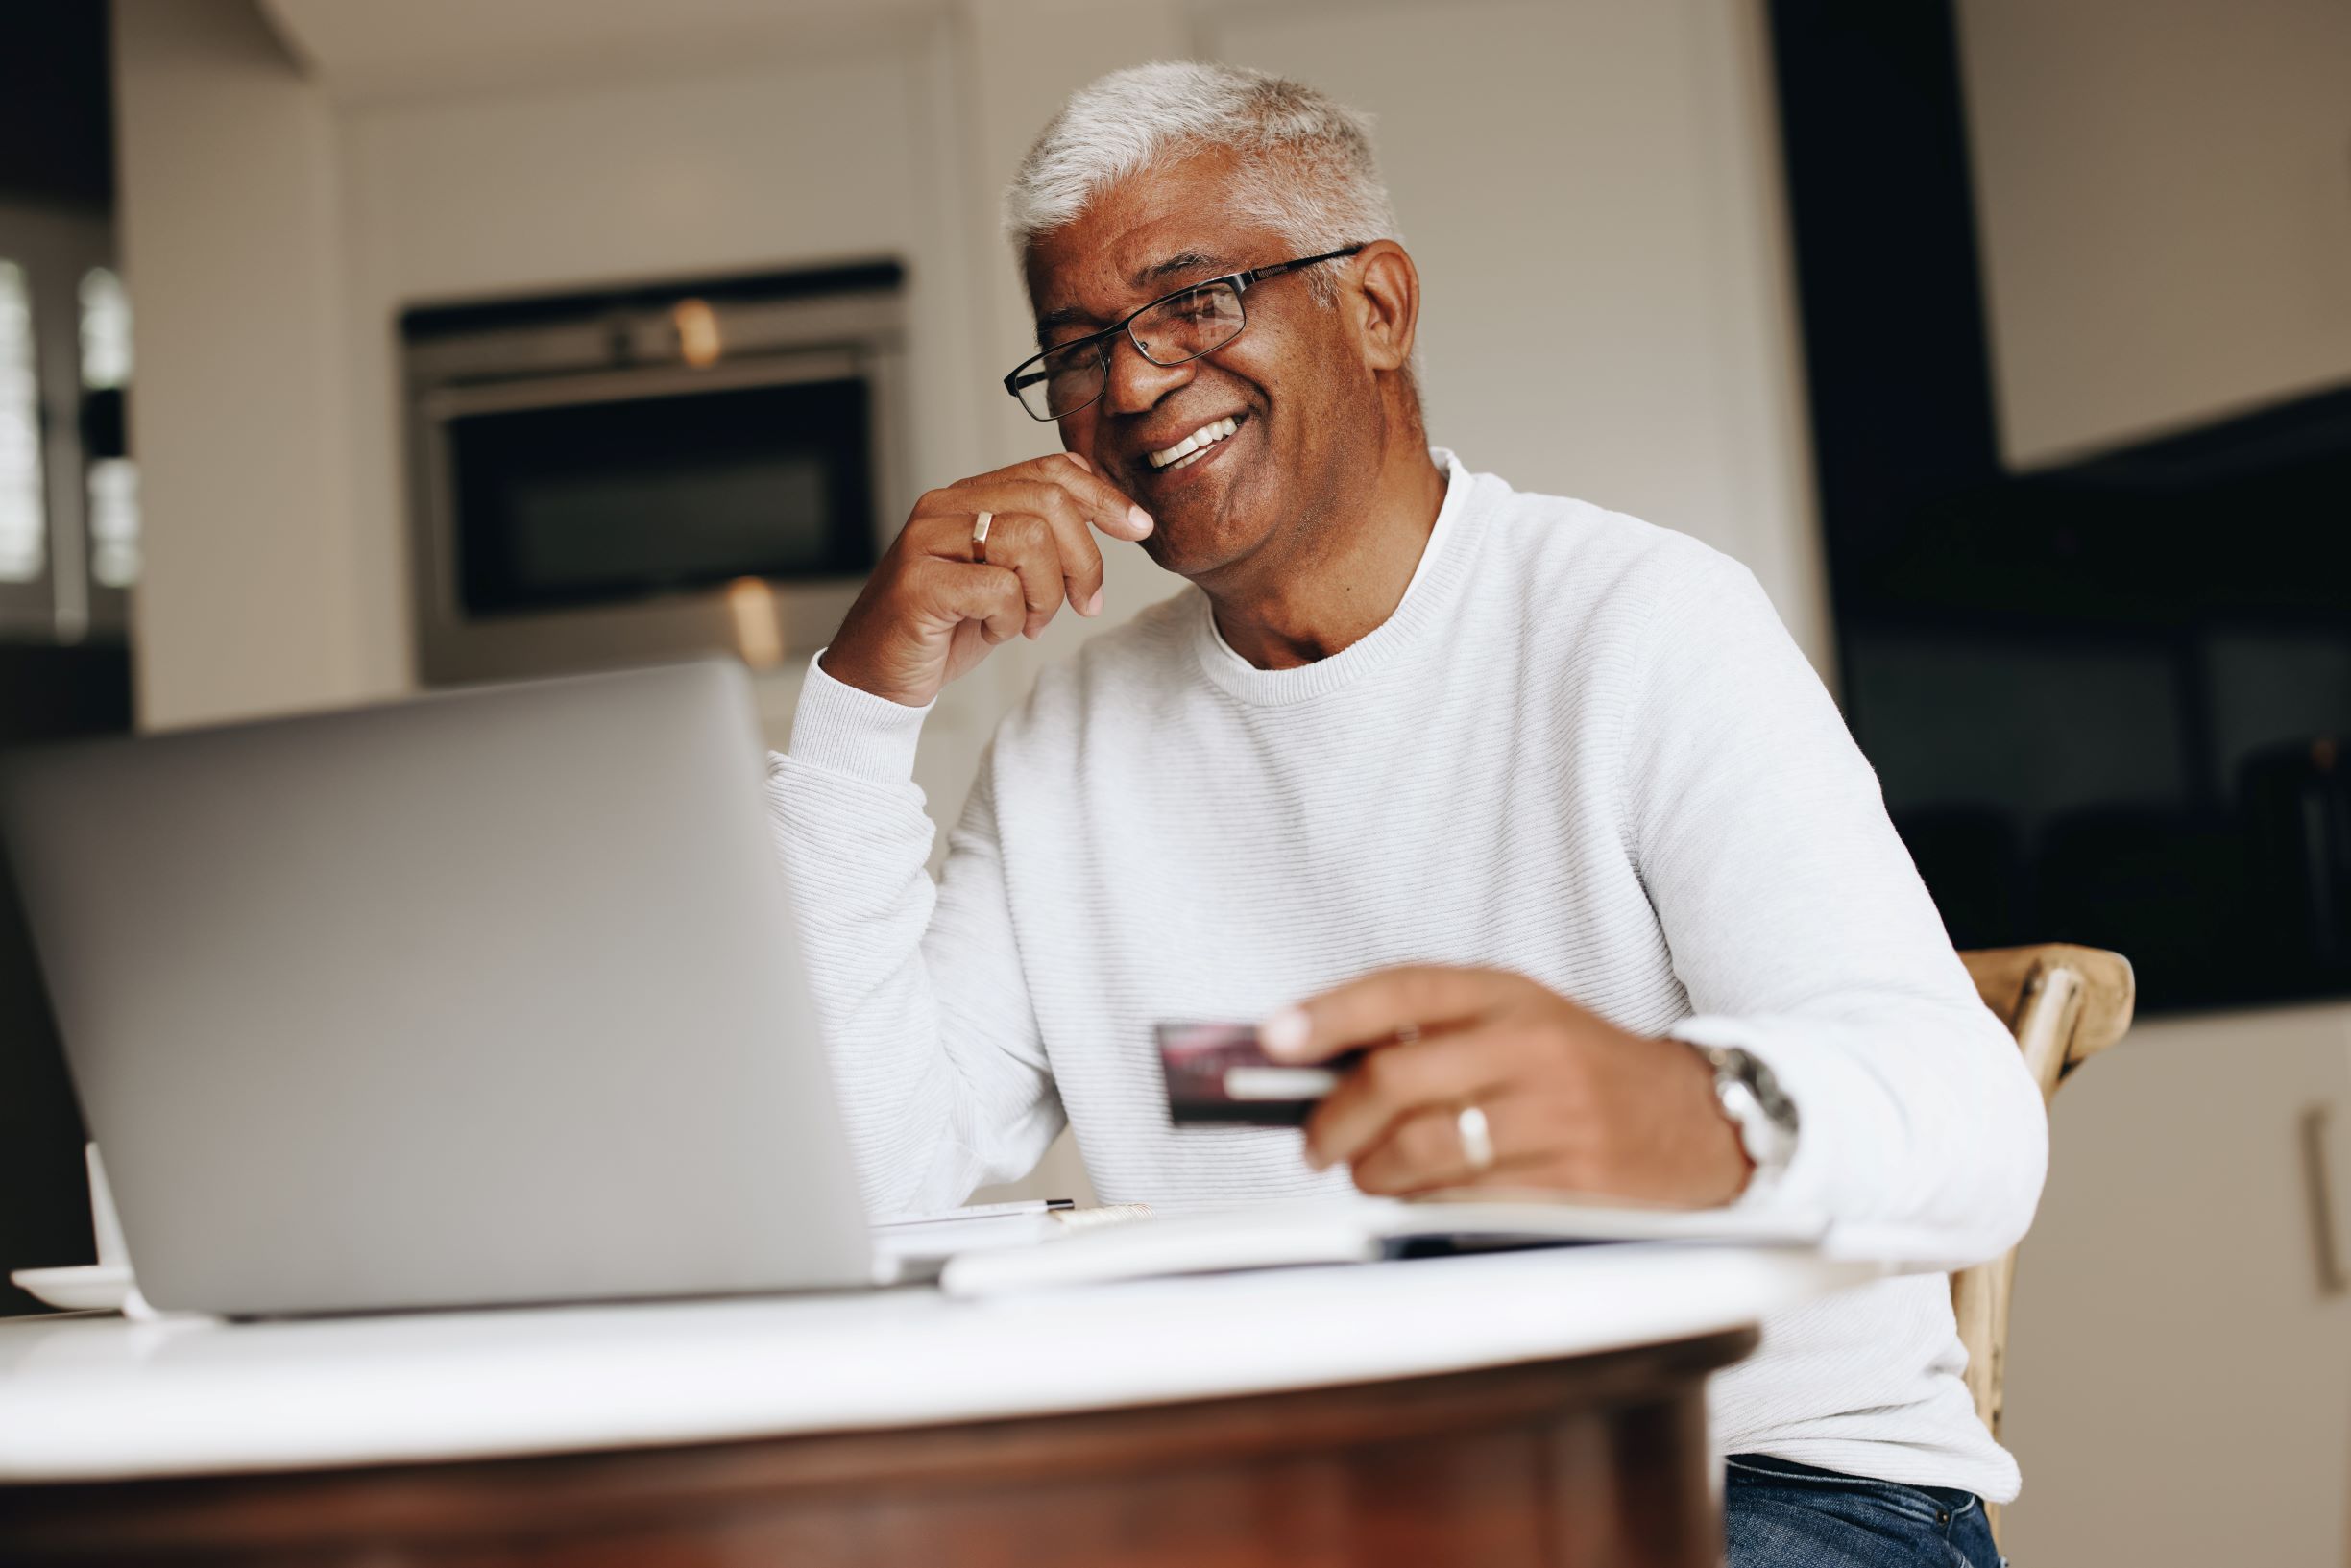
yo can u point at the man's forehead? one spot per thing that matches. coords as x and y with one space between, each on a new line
1142 237
1089 288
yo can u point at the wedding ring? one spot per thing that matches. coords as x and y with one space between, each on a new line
1476 1139
979 528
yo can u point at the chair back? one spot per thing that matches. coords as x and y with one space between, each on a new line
2065 1005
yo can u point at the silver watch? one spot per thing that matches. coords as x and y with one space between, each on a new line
1752 1099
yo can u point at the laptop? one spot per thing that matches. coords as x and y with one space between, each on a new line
492 997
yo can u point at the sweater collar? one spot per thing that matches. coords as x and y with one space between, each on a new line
1428 601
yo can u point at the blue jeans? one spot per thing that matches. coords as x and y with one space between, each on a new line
1781 1514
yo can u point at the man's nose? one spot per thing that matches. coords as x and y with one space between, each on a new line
1134 383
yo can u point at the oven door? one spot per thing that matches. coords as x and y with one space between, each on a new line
588 518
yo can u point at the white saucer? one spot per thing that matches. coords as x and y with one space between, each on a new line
86 1287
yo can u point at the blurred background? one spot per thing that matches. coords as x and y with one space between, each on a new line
350 348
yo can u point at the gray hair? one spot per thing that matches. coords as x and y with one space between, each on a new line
1306 165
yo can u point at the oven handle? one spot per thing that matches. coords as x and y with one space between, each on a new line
445 403
2326 1217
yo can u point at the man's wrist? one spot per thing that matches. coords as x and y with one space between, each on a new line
1719 1168
844 666
845 728
1763 1118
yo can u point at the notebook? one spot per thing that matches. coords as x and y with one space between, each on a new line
1354 1230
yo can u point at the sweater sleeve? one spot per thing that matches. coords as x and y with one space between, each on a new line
1801 931
934 1049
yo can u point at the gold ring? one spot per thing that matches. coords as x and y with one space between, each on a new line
979 528
1476 1139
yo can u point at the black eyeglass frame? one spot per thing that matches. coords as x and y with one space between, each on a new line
1102 340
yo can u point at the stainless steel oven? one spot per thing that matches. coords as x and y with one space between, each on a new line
617 476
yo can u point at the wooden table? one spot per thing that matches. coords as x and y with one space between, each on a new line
1533 1408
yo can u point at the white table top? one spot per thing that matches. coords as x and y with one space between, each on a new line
84 1398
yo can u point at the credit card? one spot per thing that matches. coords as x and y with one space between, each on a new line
1219 1077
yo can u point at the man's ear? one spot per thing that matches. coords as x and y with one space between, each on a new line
1389 287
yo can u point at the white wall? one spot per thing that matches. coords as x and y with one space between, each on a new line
1589 191
253 602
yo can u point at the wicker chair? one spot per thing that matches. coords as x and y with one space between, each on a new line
2065 1005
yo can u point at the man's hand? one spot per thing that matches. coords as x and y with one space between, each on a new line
931 611
1570 1101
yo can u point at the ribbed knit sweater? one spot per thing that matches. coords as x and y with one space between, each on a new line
1582 748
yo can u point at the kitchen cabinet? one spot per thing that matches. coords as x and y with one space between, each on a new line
2179 1372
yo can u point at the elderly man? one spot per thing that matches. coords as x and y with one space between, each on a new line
1536 801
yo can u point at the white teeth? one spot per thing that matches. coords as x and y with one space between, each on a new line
1207 435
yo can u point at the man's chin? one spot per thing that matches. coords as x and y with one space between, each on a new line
1173 550
1193 531
1196 553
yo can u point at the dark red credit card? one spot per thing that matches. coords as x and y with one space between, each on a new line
1218 1076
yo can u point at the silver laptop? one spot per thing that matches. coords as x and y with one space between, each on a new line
491 996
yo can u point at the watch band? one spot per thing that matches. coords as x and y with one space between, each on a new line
1753 1101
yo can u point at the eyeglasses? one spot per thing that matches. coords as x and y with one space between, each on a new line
1196 320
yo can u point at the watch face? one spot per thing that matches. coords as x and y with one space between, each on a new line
1751 1098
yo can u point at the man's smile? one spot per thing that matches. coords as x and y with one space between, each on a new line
1161 469
1191 446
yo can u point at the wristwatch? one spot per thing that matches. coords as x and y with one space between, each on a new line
1753 1100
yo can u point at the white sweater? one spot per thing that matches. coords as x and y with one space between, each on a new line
1582 748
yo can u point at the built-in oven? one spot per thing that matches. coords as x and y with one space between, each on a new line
632 475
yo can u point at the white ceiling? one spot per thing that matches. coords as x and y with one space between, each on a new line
368 49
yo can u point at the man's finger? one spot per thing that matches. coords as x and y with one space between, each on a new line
1110 508
1062 489
1384 1004
1423 1150
1082 559
956 592
1077 563
1026 545
1393 1082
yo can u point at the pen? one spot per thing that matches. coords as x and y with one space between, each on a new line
987 1211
